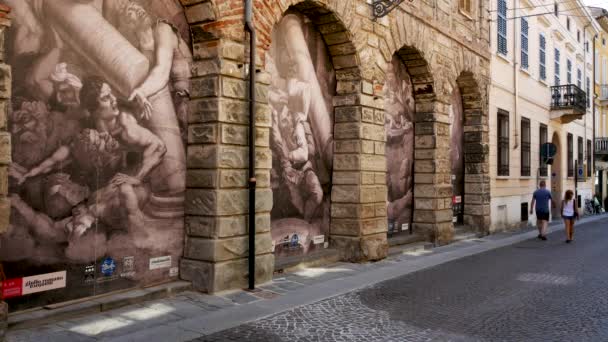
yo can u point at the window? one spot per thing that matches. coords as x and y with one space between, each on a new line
570 156
568 23
525 147
589 158
597 67
543 56
503 143
604 70
604 41
543 140
555 9
587 46
466 6
524 43
557 57
578 36
502 27
580 151
588 93
569 71
579 78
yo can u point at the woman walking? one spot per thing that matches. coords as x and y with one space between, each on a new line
569 213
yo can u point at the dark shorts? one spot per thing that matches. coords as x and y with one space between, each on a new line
543 216
571 218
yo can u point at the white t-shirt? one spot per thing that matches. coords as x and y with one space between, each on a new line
568 208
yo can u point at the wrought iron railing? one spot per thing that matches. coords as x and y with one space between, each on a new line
601 145
568 96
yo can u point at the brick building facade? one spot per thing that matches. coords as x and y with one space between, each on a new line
442 47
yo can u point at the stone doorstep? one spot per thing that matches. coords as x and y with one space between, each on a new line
404 239
410 248
464 233
314 259
76 308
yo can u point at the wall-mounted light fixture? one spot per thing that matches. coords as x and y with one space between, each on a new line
383 7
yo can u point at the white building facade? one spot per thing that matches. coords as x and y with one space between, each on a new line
542 69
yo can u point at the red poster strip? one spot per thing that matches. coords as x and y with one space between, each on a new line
11 288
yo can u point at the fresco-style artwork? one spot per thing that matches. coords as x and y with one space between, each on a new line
300 95
457 153
399 124
99 105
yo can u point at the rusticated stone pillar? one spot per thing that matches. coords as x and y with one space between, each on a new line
476 154
432 170
359 192
5 147
216 249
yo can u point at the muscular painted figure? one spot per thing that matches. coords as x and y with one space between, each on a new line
96 96
117 204
110 205
289 142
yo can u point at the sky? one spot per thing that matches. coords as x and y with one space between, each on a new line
597 3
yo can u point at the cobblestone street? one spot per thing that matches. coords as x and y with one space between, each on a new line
531 291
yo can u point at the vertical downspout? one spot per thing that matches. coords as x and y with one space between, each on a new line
592 166
252 181
586 45
515 78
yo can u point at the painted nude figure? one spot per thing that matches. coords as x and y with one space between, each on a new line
289 141
97 97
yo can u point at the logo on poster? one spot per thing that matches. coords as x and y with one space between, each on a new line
108 266
89 273
128 267
160 262
38 283
11 288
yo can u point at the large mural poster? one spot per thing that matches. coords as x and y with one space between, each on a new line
98 175
302 86
399 124
457 153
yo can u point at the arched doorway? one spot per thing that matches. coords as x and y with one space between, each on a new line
409 84
470 137
556 175
399 107
302 87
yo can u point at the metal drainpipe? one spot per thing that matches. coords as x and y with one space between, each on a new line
515 80
252 181
592 166
586 45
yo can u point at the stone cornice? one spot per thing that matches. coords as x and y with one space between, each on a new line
570 47
558 35
544 21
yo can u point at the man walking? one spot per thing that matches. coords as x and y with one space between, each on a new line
541 198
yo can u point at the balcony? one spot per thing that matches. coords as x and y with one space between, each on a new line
603 95
601 147
568 103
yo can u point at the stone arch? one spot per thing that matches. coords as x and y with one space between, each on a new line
215 255
476 152
431 176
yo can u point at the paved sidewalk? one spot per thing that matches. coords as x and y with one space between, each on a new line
191 315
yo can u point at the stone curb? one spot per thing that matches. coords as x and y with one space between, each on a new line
53 313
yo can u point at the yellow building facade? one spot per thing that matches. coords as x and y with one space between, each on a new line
541 92
601 105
